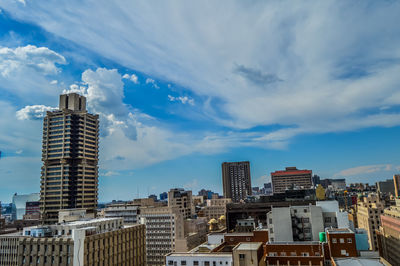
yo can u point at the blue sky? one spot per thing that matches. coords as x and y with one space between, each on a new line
182 87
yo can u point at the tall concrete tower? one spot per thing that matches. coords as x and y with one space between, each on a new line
236 180
70 156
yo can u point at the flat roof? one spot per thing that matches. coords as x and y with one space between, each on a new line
339 231
294 243
184 254
357 262
248 246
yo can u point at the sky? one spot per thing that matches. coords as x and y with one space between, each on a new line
182 86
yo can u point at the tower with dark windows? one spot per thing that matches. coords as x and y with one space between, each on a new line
236 180
69 177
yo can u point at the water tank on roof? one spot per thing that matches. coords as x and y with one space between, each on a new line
322 237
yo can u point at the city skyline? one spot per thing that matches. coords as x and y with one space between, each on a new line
320 95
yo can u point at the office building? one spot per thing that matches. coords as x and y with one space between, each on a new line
291 178
105 241
236 180
70 157
396 181
342 242
181 199
385 187
368 217
389 235
128 211
19 204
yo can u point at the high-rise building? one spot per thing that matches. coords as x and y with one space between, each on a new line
70 157
236 180
291 178
396 180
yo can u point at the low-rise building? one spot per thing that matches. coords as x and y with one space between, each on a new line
342 243
294 253
128 211
203 259
248 254
105 241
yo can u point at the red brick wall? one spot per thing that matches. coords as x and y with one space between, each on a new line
336 248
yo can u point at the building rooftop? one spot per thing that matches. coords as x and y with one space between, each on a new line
185 254
248 246
339 231
90 221
357 262
294 243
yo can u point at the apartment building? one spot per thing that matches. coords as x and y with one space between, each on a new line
105 241
369 211
69 177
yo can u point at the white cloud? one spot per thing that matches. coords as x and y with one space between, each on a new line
54 82
33 112
152 82
132 78
39 58
110 173
182 99
310 66
368 169
19 151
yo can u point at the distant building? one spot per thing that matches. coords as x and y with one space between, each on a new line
70 158
368 217
164 196
87 242
248 254
389 235
154 197
291 178
128 211
342 242
19 204
236 180
316 180
338 184
214 209
385 187
178 197
320 192
208 194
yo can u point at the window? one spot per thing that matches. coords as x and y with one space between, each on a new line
327 219
271 230
273 254
293 253
306 220
304 254
343 252
283 253
317 254
170 262
241 256
334 240
341 240
183 262
195 263
206 263
349 240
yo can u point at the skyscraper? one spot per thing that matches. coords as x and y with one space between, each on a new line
396 180
236 180
70 157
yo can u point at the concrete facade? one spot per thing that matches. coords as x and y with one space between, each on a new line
236 180
69 177
291 178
